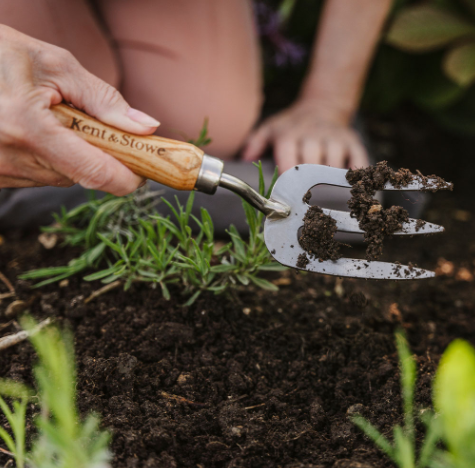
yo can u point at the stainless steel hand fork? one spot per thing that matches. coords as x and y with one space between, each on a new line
185 167
285 210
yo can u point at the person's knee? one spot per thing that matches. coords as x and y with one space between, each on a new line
181 99
232 119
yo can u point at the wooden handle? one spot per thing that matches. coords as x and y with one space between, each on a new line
169 162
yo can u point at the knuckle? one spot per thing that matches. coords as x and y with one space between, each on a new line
109 96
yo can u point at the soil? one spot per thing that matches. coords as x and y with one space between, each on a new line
378 222
262 379
317 237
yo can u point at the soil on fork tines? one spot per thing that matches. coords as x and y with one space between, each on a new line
257 379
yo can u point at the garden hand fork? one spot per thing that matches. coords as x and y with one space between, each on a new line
183 166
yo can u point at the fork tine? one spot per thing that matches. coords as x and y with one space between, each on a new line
352 268
345 223
419 184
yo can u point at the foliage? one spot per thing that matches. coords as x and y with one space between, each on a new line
454 399
126 239
63 441
428 58
402 451
454 422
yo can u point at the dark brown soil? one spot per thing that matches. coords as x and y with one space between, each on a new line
378 222
259 379
317 237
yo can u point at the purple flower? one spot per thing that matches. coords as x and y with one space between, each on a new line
285 51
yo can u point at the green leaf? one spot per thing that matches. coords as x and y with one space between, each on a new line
10 388
408 371
92 255
223 268
263 284
243 279
262 184
8 440
272 266
102 216
373 433
189 204
454 399
459 64
165 291
275 176
403 449
192 299
101 274
433 432
425 27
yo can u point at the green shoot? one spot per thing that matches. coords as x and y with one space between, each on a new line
203 138
126 239
402 450
454 399
63 439
15 418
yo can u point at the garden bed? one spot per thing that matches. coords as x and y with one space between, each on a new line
259 379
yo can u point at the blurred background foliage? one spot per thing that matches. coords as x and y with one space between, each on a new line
426 57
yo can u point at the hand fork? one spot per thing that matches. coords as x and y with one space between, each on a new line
183 166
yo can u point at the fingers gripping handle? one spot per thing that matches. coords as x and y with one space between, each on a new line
169 162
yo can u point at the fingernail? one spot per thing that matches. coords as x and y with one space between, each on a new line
142 118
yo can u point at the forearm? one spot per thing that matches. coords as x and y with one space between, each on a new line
347 36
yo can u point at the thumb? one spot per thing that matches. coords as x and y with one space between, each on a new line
100 100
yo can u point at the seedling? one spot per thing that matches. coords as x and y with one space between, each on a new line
402 451
63 439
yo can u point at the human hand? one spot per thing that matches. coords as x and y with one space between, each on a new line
35 149
305 133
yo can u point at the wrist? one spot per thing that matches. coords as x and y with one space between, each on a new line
325 109
331 100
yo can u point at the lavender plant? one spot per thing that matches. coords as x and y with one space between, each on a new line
125 239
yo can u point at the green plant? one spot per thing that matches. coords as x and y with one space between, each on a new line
439 25
63 440
454 400
427 57
15 418
402 451
125 239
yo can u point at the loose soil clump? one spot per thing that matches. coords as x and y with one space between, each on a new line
378 222
317 237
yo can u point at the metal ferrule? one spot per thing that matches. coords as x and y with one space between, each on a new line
211 176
